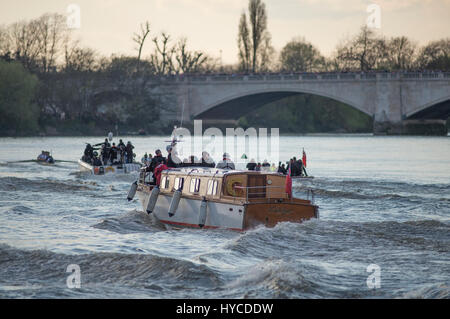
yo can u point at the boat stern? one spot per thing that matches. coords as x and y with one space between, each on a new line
270 214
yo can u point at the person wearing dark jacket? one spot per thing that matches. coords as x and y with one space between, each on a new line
105 151
157 159
302 168
171 158
251 166
296 169
88 153
113 153
122 149
96 161
282 169
129 152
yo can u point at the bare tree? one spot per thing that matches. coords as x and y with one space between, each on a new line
364 52
53 35
79 59
400 53
435 56
139 38
38 43
188 62
24 39
162 58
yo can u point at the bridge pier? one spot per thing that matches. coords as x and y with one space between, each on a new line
425 127
434 127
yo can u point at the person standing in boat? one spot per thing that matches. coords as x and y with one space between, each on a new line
251 165
303 161
291 167
302 170
122 149
226 162
157 172
88 153
157 159
144 159
265 166
207 161
105 151
172 159
296 169
113 153
279 170
129 152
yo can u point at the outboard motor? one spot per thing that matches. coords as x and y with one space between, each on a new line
203 212
174 203
152 200
132 191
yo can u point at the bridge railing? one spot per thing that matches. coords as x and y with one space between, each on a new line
343 76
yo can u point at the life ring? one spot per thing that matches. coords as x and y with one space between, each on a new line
232 183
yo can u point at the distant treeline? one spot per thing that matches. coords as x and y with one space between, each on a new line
50 83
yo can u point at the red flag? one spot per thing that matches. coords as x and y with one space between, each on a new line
288 185
304 158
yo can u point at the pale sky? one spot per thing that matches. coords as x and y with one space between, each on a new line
211 25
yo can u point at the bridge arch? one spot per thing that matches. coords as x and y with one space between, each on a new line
436 109
248 100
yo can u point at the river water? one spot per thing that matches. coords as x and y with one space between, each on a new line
383 232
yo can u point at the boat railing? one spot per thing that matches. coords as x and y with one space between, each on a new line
145 177
252 194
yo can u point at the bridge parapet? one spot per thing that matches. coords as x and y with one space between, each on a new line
270 77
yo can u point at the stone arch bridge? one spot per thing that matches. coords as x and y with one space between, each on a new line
393 100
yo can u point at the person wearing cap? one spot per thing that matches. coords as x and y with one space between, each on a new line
226 162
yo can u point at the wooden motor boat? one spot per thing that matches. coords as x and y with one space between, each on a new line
214 198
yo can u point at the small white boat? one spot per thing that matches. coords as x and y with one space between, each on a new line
107 169
200 197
